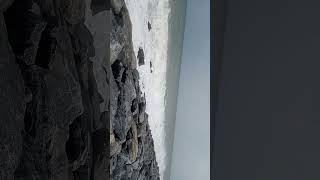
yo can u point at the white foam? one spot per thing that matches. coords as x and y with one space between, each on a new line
155 45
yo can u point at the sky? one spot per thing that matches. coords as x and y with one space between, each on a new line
191 149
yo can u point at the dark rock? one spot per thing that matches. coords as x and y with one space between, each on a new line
26 31
134 106
4 4
141 56
151 67
73 10
13 106
101 144
117 70
51 92
83 40
149 26
99 5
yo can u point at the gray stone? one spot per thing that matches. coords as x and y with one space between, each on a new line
117 5
73 10
98 6
141 56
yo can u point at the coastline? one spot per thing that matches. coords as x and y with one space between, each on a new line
132 154
153 84
161 85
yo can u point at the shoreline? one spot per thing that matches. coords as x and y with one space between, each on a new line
161 86
153 84
132 145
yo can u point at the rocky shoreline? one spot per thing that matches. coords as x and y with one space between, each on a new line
132 152
59 92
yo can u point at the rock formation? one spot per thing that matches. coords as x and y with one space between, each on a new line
69 93
52 127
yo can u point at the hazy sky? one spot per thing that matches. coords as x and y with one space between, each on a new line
191 150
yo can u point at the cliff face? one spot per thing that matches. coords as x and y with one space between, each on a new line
66 109
51 124
132 153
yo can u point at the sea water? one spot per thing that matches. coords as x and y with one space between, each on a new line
174 53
